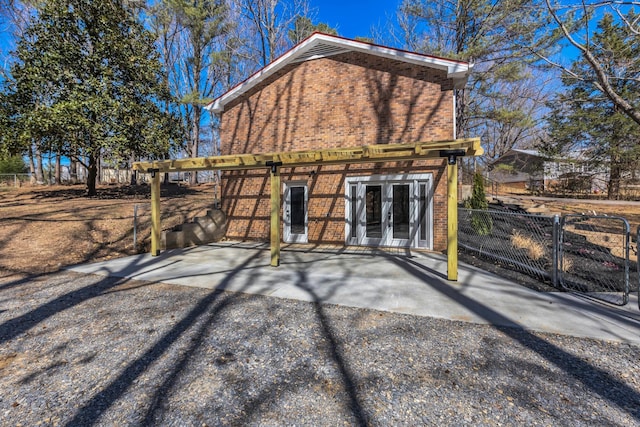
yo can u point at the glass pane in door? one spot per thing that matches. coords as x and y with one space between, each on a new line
401 211
423 212
354 210
297 210
374 210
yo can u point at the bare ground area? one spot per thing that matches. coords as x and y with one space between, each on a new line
43 229
628 210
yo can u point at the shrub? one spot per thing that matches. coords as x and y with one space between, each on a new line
12 164
481 222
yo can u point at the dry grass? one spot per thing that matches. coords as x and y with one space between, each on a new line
43 229
567 264
535 250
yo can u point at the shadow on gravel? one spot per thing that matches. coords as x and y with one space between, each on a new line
21 324
201 320
337 355
597 380
21 281
198 322
211 306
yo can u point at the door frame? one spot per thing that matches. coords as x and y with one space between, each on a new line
287 236
355 192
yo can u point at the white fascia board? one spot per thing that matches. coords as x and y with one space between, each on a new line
457 71
218 105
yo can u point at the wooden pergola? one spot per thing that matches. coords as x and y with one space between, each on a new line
274 161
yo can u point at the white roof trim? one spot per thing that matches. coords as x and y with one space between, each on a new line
320 45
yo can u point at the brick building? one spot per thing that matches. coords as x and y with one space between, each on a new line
330 92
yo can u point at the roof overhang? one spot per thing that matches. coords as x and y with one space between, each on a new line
320 45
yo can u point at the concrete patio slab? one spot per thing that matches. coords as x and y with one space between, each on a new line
397 281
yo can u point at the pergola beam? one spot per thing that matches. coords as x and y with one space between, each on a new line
366 154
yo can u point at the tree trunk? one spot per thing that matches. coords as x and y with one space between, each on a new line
134 173
32 166
73 171
613 189
39 168
58 171
92 175
195 140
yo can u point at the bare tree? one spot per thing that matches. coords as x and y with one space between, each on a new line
266 25
481 32
512 116
190 34
574 23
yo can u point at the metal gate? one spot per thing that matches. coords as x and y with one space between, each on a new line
594 257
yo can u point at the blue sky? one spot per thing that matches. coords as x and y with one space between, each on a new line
354 18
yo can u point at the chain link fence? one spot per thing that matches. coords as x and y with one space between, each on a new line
594 257
588 254
14 179
522 241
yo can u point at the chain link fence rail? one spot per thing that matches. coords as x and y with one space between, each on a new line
587 254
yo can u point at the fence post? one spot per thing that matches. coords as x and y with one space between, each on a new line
556 250
135 226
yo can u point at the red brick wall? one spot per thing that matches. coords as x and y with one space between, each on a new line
246 199
347 100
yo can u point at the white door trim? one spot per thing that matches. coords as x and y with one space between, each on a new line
288 236
355 192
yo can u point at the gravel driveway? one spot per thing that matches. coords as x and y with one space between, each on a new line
83 350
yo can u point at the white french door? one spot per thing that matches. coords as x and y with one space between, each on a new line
389 210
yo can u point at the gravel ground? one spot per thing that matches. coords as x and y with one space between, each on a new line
83 350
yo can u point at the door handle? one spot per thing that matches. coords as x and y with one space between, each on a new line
389 221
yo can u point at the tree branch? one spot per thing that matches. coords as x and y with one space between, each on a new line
603 84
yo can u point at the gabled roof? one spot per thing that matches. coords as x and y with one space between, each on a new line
320 45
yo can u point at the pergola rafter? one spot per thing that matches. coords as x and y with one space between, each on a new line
347 155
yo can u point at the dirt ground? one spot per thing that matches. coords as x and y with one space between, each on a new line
43 229
628 210
631 213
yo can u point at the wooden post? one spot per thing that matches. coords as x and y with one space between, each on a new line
155 213
452 221
275 216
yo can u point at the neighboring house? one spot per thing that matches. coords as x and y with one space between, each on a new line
532 170
330 92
